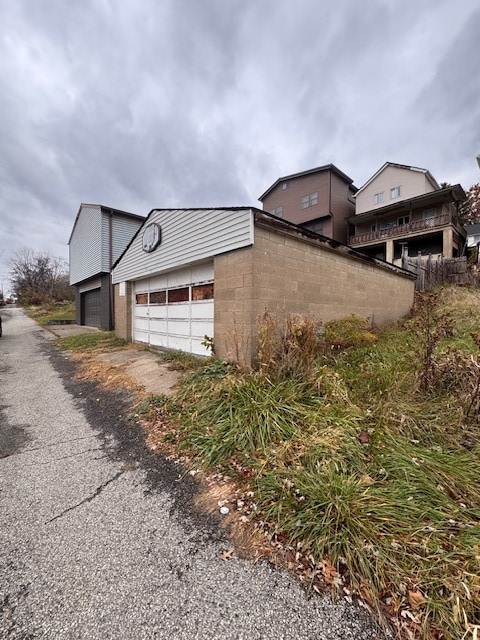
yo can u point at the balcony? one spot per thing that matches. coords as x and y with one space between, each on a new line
402 231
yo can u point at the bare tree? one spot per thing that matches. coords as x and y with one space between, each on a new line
470 208
37 277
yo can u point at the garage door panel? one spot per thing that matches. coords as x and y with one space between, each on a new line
158 325
179 278
141 336
202 310
141 324
141 311
158 282
91 308
180 343
202 273
158 312
198 348
179 310
159 340
178 325
201 328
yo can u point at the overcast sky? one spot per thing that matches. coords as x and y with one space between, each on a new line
139 104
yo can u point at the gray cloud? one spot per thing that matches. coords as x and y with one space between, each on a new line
142 105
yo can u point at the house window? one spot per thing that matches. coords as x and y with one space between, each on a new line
394 193
158 297
285 185
310 200
403 220
429 213
378 197
141 298
277 211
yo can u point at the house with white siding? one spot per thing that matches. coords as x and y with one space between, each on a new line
99 236
193 278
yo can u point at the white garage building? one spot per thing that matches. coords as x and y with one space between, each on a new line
192 274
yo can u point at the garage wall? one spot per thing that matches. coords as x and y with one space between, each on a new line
287 274
123 311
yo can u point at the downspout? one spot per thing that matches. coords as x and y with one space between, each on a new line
112 297
330 202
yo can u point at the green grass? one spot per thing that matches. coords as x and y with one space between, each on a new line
63 311
179 360
87 341
352 462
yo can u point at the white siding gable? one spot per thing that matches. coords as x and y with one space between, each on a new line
412 182
123 230
187 236
85 244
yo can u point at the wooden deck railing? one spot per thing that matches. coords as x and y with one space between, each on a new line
402 230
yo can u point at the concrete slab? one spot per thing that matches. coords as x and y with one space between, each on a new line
156 377
64 330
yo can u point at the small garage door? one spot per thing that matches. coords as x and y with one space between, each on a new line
91 308
175 310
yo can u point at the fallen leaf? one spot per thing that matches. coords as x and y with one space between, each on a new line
416 598
227 554
363 437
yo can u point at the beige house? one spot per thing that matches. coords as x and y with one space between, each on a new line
191 273
319 199
402 210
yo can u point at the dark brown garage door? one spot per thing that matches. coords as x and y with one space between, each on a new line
91 308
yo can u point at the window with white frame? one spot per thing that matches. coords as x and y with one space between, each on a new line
379 197
310 200
278 211
403 220
394 193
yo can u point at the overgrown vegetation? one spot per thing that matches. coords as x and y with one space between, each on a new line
97 340
38 278
359 451
52 313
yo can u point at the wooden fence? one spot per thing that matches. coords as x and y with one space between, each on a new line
431 272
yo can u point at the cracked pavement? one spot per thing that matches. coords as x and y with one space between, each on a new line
99 536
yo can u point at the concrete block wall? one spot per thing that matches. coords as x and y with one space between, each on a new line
233 320
123 312
286 274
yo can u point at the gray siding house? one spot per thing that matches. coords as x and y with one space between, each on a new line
99 236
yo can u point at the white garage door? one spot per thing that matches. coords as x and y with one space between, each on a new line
175 310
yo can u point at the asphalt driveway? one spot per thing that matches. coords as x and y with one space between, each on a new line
99 537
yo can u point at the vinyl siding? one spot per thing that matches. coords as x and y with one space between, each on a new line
412 183
123 230
85 245
187 236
